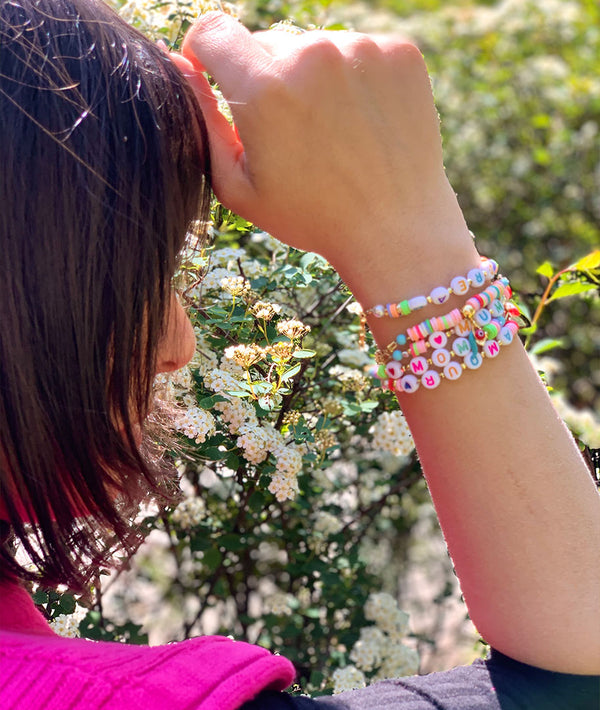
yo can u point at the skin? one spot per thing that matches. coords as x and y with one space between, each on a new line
336 149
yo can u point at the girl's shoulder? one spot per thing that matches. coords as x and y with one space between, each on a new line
208 673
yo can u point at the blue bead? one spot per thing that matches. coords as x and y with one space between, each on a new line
401 339
397 355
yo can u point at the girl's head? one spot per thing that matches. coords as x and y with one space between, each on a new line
103 167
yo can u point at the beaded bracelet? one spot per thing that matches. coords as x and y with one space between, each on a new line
498 290
400 379
486 320
459 286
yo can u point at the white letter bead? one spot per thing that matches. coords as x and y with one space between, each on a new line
417 302
476 277
440 357
463 328
461 347
496 307
505 336
409 383
459 285
491 348
393 369
431 380
482 317
418 365
452 371
473 362
439 295
438 340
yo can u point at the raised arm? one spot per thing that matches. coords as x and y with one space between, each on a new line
337 150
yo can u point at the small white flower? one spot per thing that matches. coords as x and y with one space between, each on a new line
348 678
66 625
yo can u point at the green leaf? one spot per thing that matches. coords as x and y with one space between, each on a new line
303 354
571 289
212 558
40 597
292 372
588 262
546 344
67 604
546 269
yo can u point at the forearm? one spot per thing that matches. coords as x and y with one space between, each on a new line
516 503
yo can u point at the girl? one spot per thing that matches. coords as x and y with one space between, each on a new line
106 166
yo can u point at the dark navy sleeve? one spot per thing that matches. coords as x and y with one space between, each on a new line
498 683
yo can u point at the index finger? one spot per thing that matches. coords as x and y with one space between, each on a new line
219 44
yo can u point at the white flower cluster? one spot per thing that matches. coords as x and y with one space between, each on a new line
326 523
66 625
380 647
348 678
196 423
279 604
391 434
382 609
257 440
189 513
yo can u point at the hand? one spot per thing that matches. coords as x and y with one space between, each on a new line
336 146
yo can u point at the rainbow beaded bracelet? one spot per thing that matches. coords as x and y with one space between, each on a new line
459 286
418 373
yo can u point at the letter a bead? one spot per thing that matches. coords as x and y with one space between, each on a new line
505 336
431 380
439 295
409 383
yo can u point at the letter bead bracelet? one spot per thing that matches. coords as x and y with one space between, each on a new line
443 347
459 286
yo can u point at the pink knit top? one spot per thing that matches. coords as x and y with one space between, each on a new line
42 671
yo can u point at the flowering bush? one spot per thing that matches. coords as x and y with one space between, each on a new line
298 473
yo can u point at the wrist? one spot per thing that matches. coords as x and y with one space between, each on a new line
424 248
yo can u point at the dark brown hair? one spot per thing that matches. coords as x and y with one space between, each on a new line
103 166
